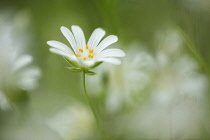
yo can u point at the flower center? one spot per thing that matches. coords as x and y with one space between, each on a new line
85 53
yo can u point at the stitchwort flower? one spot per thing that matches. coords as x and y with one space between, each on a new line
83 55
71 121
18 75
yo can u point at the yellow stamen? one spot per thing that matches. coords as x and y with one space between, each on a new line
86 46
91 51
84 58
90 56
78 55
80 50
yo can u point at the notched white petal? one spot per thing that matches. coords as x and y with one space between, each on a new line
111 53
96 37
106 42
79 36
60 46
59 52
22 62
69 36
114 61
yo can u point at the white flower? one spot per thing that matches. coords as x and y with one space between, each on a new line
16 71
86 55
15 66
73 123
169 41
177 70
125 81
25 75
177 105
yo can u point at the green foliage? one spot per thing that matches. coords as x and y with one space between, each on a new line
131 21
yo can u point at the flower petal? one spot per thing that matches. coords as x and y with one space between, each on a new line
64 54
106 42
111 53
96 37
79 36
28 78
69 36
22 62
60 46
114 61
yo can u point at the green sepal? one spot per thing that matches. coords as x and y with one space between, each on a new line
96 64
72 63
75 69
90 73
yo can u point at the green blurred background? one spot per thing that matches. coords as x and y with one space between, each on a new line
131 21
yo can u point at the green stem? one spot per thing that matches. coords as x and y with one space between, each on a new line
194 51
89 103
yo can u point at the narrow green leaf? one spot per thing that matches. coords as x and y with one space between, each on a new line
96 64
72 63
75 69
90 72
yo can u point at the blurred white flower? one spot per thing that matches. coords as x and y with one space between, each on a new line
124 81
168 41
177 70
15 66
128 79
177 108
73 123
84 55
32 128
178 103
